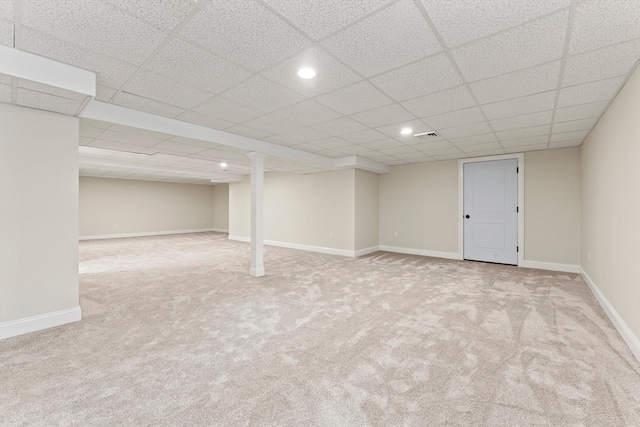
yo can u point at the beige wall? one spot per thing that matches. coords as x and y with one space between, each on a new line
315 209
552 206
221 207
419 206
367 210
38 212
611 204
122 206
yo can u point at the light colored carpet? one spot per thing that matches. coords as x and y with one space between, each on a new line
176 333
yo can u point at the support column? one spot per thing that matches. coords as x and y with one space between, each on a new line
257 186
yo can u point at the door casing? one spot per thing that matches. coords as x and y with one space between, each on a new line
461 162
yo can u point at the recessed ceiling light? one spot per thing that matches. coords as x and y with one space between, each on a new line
306 73
406 131
223 165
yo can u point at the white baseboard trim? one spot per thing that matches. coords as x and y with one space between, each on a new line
540 265
150 233
310 248
422 252
40 322
366 251
623 329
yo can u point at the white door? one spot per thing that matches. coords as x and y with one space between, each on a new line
491 211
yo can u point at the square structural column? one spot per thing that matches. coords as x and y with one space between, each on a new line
257 193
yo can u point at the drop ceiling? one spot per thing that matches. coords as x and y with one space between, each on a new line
489 77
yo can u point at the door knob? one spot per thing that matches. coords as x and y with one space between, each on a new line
466 216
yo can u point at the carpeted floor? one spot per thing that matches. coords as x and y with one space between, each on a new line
175 332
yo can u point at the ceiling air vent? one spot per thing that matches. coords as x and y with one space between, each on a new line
425 135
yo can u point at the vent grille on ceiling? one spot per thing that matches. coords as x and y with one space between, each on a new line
426 135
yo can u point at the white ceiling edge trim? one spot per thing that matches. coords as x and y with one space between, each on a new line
168 170
25 65
357 162
138 119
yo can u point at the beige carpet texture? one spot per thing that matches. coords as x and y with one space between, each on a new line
176 333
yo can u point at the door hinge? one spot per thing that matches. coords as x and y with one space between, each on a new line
517 248
517 208
517 170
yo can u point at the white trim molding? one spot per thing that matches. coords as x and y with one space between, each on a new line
461 162
150 233
623 329
310 248
37 323
366 251
422 252
553 266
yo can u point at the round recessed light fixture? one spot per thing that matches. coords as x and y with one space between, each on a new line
406 131
223 165
306 73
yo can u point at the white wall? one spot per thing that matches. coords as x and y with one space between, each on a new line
38 219
367 210
122 206
221 207
611 205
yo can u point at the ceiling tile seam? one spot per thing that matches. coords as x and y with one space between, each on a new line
563 63
449 55
142 18
609 46
17 41
158 48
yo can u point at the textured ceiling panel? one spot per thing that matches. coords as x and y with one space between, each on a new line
6 33
420 78
103 28
263 94
153 86
165 14
465 130
204 120
465 20
308 113
355 98
273 123
584 111
340 126
391 38
604 63
456 98
523 121
524 132
237 31
589 92
382 116
147 105
459 117
521 47
523 105
44 101
574 125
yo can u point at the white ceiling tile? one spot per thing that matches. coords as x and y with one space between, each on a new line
273 123
95 123
281 140
191 141
390 38
90 131
415 158
306 134
420 78
6 9
602 23
227 110
121 155
178 147
351 150
532 140
481 147
465 20
382 116
158 88
567 136
442 151
128 138
166 14
147 105
320 18
204 120
96 25
589 92
355 98
137 131
416 126
164 159
330 153
485 153
6 92
524 148
403 149
120 146
333 143
340 126
308 112
583 111
247 131
518 106
382 144
604 63
43 101
456 98
524 133
51 90
520 47
309 147
525 120
367 135
455 118
475 139
263 94
564 144
540 78
6 33
427 146
244 32
109 72
574 125
416 140
479 128
104 93
192 65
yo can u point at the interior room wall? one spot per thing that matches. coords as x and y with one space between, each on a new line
38 220
611 205
552 206
367 210
419 207
115 207
313 210
221 207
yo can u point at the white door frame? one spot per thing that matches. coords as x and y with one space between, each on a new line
461 162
